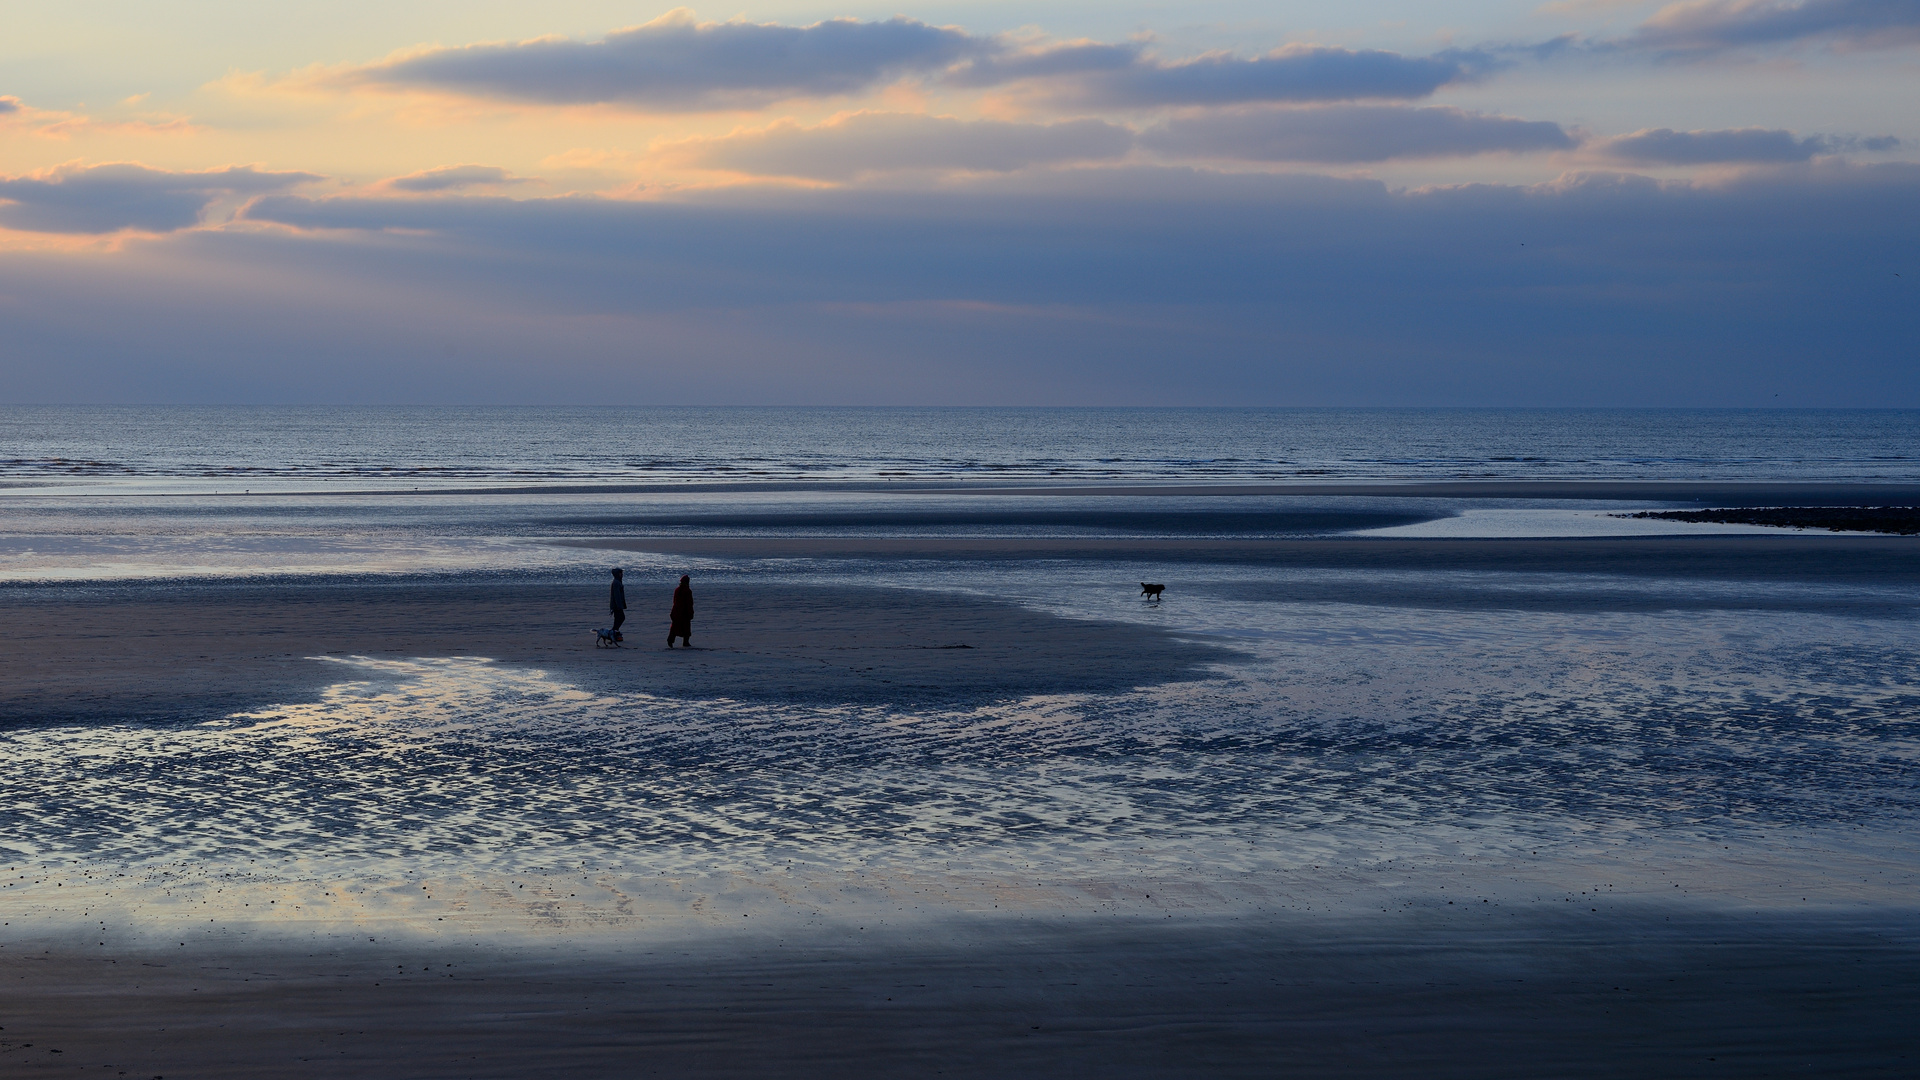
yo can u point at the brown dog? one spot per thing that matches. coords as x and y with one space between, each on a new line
1152 590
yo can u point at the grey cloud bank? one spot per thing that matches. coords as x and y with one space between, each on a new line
679 63
1710 25
452 178
1124 76
676 62
1122 285
848 146
1044 62
109 198
1295 73
1665 146
1351 133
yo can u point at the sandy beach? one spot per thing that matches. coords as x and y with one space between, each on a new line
1785 556
774 854
1230 539
162 649
1633 992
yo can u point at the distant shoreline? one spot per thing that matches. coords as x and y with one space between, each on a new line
1775 493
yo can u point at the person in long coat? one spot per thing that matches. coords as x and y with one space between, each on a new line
617 601
682 615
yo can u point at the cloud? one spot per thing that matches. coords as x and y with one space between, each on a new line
1122 76
679 63
1125 285
55 124
1350 133
1586 7
452 178
676 62
69 125
1013 64
1711 25
98 199
864 142
1129 234
1664 146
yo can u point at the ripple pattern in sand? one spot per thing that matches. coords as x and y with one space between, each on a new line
1685 728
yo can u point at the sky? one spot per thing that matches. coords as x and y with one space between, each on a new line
1371 202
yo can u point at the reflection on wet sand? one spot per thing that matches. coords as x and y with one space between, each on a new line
1345 747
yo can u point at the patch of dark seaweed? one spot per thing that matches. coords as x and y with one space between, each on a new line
1898 520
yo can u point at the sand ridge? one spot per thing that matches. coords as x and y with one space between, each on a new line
168 650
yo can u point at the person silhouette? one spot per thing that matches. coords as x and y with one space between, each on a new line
681 624
617 601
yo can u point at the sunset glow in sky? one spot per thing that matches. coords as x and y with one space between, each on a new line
1583 202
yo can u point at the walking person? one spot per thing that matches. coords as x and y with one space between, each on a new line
682 615
617 601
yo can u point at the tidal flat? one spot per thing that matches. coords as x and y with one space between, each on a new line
925 800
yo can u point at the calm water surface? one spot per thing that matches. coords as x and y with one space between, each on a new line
415 447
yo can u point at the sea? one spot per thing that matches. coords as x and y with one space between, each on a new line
1369 738
191 449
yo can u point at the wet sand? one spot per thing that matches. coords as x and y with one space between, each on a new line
74 652
1726 493
1785 557
1747 493
197 650
1646 991
1643 992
